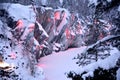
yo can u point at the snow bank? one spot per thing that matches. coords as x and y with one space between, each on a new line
18 11
57 64
107 63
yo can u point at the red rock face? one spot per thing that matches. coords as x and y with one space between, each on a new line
20 24
57 15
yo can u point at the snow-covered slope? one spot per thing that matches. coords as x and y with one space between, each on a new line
106 64
56 65
13 52
19 61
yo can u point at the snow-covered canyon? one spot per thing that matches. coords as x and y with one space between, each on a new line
56 41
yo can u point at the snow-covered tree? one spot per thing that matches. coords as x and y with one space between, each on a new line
103 25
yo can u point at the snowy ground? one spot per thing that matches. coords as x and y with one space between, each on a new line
56 65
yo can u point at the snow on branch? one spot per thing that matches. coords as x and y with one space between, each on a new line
110 37
100 50
90 69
